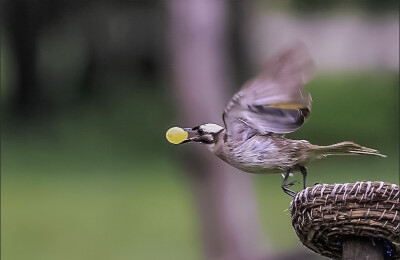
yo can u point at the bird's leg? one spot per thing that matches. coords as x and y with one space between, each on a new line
285 185
303 171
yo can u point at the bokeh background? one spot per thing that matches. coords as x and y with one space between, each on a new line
88 89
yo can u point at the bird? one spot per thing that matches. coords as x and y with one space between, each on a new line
258 117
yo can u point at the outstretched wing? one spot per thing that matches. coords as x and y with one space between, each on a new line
273 102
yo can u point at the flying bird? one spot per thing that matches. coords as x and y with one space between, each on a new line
257 118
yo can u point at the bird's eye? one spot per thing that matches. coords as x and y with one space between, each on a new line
201 131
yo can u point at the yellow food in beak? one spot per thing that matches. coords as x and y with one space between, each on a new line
176 135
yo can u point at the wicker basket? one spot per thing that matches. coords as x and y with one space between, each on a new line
324 215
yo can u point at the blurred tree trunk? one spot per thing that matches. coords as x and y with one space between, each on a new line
239 25
22 28
198 32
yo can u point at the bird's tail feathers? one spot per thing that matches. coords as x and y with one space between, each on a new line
343 148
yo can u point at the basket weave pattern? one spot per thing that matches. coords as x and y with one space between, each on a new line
322 215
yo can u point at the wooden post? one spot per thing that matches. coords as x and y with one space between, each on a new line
362 249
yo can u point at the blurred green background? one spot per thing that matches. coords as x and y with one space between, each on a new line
103 184
96 179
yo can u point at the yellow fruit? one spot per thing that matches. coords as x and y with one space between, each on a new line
176 135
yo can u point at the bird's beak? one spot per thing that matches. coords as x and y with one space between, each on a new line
194 138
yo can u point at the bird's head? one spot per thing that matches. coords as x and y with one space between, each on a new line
206 134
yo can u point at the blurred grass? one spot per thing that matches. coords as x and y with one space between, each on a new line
100 182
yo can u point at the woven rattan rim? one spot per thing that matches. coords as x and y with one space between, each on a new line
325 214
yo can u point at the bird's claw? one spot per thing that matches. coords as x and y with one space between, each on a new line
286 189
290 184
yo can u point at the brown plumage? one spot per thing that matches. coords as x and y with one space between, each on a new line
257 117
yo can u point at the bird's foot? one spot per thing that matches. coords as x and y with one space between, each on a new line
286 189
290 184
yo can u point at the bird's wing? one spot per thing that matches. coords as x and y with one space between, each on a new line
273 102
